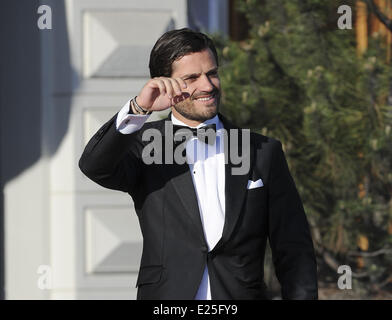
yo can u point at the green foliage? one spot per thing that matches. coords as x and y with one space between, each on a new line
297 78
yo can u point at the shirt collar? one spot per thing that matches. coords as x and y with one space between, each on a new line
214 120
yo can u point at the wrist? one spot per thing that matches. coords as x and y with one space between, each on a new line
132 109
139 109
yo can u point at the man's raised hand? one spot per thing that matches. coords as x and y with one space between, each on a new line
159 93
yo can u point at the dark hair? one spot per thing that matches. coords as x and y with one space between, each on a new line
175 44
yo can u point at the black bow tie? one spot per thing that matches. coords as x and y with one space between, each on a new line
204 134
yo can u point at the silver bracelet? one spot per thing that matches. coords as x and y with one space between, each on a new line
139 108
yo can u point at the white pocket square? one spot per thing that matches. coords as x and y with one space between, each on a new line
255 184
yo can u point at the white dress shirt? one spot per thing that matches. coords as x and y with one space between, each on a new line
207 166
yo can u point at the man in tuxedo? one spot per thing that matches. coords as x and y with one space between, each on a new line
204 226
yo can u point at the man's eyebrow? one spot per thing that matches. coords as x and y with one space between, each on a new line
198 74
190 75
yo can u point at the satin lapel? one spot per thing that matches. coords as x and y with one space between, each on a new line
180 177
235 187
182 182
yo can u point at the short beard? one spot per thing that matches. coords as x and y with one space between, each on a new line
187 110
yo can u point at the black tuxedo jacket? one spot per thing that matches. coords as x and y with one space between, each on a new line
174 248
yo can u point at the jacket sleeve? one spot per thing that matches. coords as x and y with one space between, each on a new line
289 234
111 158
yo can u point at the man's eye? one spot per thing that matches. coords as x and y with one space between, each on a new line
191 79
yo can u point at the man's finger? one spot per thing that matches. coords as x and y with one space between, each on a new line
182 82
176 87
161 85
168 86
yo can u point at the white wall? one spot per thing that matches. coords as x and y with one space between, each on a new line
92 61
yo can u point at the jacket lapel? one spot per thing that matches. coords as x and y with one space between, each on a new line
183 185
180 177
235 185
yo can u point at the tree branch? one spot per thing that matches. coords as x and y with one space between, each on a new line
370 254
328 258
381 16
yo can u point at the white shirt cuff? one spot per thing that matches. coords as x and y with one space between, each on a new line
127 123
